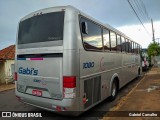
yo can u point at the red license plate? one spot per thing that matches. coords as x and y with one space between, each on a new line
37 92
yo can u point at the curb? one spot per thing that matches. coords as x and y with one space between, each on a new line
10 88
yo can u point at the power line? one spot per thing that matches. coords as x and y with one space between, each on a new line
145 10
141 7
141 13
137 16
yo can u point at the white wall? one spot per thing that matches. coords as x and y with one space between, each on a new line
5 71
8 71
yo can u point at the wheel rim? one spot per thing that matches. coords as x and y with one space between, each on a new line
139 72
113 89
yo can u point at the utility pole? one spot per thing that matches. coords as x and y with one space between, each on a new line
153 31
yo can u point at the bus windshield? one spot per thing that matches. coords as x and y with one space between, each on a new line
41 28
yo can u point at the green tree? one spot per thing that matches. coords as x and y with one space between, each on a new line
153 49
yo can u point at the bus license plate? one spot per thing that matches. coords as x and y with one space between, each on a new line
37 92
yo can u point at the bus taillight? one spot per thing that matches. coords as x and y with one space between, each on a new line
69 81
69 86
15 76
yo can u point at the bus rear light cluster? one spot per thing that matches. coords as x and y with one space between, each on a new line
69 86
19 98
58 108
15 76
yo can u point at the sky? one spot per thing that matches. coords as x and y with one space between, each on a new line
117 13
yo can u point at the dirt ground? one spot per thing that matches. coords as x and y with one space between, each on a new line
144 98
7 87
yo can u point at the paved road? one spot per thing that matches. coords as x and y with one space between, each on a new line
8 102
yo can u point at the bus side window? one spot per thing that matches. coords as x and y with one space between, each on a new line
135 48
127 46
132 47
84 27
123 44
119 45
113 41
91 33
138 49
106 40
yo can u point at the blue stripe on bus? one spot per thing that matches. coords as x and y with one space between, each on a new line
21 58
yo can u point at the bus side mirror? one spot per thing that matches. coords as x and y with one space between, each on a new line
84 27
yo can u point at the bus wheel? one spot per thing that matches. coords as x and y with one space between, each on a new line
139 72
114 90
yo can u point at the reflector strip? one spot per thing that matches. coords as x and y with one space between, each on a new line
29 58
36 58
21 58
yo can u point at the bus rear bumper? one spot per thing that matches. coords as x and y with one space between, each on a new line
70 105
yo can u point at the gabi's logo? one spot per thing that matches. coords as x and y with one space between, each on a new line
27 71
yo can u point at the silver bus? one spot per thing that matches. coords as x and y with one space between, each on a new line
68 61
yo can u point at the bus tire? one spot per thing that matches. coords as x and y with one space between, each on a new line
114 90
139 72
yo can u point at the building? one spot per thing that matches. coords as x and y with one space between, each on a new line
7 56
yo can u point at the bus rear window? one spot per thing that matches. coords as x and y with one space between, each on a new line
41 28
